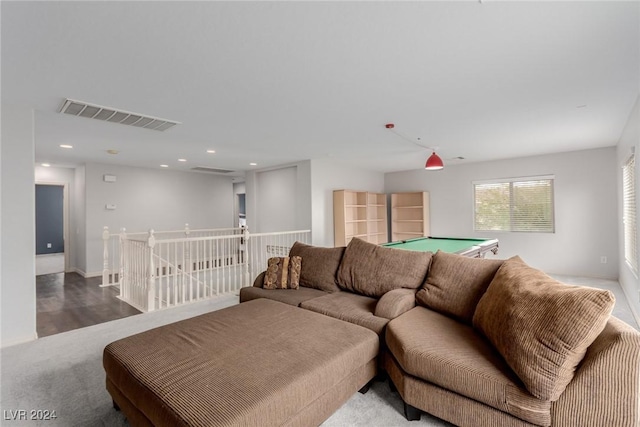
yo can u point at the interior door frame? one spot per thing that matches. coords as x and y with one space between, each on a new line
65 218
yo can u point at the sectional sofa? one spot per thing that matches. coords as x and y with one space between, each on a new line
476 342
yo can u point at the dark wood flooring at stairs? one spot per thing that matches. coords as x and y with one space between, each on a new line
67 301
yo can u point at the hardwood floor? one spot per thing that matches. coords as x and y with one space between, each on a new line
67 301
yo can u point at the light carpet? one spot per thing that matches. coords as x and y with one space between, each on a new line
64 373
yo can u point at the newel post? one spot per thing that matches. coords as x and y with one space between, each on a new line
105 256
244 253
151 274
123 257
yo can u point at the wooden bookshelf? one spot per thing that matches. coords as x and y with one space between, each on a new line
359 214
409 215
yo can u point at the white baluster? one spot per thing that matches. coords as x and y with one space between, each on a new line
122 237
105 256
151 242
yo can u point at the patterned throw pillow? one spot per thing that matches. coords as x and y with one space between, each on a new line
283 273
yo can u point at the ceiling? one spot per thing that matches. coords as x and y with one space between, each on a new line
279 82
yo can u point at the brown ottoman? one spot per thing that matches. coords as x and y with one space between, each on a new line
260 363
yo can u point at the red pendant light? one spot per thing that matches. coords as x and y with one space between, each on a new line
434 162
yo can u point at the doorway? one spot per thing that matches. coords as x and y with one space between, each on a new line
51 228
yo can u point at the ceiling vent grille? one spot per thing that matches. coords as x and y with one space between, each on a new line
210 170
92 111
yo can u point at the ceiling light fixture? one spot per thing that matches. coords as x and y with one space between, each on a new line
164 166
182 160
46 165
66 146
434 162
253 164
211 151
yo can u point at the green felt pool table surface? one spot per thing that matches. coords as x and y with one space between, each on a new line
463 246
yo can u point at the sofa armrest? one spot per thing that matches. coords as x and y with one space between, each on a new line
606 387
393 303
259 280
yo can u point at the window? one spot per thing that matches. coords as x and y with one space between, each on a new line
517 204
629 213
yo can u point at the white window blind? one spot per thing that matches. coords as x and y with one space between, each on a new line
517 204
629 214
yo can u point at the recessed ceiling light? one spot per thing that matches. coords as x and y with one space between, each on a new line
164 166
211 151
182 160
46 165
112 151
253 164
66 146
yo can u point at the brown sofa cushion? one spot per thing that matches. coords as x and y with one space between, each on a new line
442 351
288 296
319 266
352 308
282 273
540 326
373 270
456 283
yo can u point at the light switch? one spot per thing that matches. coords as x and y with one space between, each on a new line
110 207
109 178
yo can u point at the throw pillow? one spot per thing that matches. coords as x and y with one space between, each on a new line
456 283
282 273
373 270
320 266
541 327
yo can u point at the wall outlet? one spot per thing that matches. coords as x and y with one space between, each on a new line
48 245
603 259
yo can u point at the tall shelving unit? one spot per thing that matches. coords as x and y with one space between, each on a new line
409 215
359 214
377 218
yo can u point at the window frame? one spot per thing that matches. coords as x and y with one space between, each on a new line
510 181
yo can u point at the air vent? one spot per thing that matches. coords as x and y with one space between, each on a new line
92 111
210 170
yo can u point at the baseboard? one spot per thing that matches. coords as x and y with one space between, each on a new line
85 274
19 341
632 306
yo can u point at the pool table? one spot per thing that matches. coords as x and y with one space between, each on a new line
474 248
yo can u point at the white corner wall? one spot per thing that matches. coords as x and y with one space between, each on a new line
17 277
279 198
328 175
150 199
586 219
629 141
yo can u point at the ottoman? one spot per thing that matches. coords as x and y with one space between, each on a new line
260 363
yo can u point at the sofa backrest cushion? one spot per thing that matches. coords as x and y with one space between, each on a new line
541 327
319 266
373 270
455 284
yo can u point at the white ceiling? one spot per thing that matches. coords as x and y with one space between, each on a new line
278 82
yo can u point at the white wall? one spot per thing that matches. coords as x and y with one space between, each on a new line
148 198
276 198
279 198
328 175
630 140
585 217
17 278
80 219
